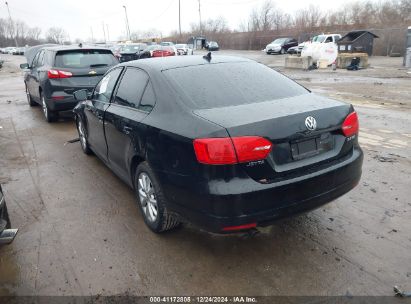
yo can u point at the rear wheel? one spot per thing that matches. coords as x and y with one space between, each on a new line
48 114
151 200
30 101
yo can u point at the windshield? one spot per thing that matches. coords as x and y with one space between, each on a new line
279 41
319 38
231 84
153 47
84 58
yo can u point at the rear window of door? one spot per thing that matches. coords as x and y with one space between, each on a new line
84 59
131 88
105 87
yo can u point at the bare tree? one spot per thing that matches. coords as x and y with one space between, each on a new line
56 35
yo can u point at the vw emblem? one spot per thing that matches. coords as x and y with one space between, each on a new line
311 123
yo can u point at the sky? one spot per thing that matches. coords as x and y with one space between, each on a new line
81 17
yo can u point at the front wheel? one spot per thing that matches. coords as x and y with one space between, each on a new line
151 200
83 136
30 100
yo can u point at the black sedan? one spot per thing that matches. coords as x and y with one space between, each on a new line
6 233
130 52
223 142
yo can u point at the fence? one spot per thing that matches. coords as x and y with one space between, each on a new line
391 40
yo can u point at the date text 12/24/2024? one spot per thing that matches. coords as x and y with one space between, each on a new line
203 299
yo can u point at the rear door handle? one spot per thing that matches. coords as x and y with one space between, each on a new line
127 129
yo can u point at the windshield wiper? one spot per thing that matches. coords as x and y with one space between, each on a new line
98 65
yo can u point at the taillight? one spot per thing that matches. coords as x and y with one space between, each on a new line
350 125
215 151
251 148
58 74
226 151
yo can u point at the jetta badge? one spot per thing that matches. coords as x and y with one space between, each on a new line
92 72
311 123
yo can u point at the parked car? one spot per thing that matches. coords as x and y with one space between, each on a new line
157 51
7 49
166 43
212 46
297 49
162 126
19 51
7 234
280 45
11 51
55 72
184 49
130 52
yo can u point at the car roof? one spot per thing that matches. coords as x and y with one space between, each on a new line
174 62
74 47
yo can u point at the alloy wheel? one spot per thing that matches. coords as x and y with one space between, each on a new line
82 135
45 109
147 197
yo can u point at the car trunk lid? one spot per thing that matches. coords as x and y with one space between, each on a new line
283 123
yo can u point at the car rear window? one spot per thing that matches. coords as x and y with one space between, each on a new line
84 58
230 84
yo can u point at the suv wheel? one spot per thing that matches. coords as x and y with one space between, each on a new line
151 200
48 115
83 136
30 101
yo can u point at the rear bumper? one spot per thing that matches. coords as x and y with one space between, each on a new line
265 203
66 104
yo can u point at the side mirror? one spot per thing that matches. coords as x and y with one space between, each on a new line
80 95
24 66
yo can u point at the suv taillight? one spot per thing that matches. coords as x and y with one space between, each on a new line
227 151
58 74
351 125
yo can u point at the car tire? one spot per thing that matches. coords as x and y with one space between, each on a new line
30 100
6 217
152 201
49 115
82 134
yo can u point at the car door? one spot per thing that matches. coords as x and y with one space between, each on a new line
124 133
94 110
30 77
37 72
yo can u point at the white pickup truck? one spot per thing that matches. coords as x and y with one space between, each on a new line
322 47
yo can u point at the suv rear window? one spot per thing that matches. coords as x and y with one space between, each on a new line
84 59
230 84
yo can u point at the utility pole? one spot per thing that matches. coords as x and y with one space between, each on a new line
104 32
199 13
92 35
12 25
108 36
179 16
127 25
